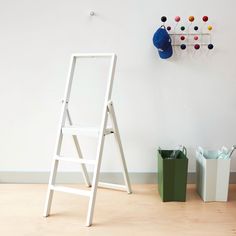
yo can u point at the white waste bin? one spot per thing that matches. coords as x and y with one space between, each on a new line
213 170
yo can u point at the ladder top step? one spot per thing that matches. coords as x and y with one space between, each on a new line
86 131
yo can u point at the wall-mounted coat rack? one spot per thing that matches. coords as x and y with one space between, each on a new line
189 35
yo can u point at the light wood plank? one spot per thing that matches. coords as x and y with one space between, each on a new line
141 213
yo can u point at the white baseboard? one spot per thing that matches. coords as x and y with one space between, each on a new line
74 177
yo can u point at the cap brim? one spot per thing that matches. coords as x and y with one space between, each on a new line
167 53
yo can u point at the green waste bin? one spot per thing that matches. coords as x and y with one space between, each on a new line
172 174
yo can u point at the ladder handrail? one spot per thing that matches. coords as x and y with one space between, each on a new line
93 55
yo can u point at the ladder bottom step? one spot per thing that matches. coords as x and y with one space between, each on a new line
76 160
64 189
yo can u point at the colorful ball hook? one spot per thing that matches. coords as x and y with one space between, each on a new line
205 18
210 46
195 28
191 18
177 18
209 27
183 46
182 37
163 18
168 28
195 37
196 46
182 28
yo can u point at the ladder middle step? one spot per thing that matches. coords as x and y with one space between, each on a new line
86 131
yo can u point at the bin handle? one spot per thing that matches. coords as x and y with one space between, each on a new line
232 150
183 149
201 151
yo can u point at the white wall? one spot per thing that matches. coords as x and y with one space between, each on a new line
190 99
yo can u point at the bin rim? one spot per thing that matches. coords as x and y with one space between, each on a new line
164 156
208 154
180 148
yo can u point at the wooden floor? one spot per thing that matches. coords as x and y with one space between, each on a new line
116 213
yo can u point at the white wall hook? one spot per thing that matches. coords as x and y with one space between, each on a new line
92 13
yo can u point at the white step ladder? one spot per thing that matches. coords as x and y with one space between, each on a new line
99 132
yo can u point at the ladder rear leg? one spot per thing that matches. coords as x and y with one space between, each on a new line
84 169
119 144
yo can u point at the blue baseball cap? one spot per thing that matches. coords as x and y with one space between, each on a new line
162 41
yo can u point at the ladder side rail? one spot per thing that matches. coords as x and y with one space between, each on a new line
110 81
96 174
101 142
59 138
